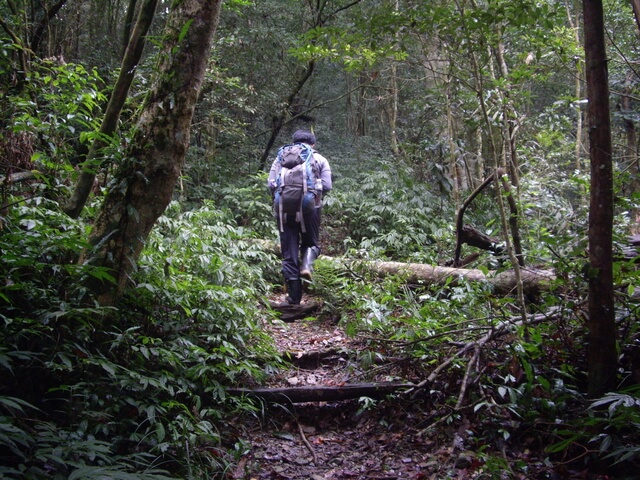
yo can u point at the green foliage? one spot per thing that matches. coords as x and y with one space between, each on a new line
609 430
48 452
356 49
127 392
39 246
48 333
208 243
104 392
620 437
251 205
59 110
381 218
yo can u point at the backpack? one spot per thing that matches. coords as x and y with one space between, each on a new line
296 179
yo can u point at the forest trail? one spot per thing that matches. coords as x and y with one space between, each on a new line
401 436
351 439
337 440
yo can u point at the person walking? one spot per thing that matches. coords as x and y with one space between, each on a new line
299 230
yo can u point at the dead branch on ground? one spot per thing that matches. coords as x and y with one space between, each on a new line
494 333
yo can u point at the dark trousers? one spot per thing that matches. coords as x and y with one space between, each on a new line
293 239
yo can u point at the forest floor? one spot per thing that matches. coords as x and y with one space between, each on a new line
366 439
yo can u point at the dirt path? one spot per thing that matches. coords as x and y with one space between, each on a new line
320 440
365 439
353 439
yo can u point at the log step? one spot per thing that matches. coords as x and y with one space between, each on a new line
321 393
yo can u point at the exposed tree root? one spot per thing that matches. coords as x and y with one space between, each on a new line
291 313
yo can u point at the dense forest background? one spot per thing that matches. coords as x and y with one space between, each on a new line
136 232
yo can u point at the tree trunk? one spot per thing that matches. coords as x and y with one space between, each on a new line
513 218
393 111
602 330
636 11
578 92
453 151
114 107
631 150
128 24
42 26
509 120
144 184
361 107
280 118
393 108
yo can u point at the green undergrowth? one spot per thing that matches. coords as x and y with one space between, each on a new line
140 391
137 391
522 391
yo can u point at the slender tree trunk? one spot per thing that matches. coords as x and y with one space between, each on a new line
631 150
453 168
509 119
578 94
393 110
393 114
144 185
631 154
128 24
513 218
39 30
636 11
357 118
349 104
579 146
280 118
636 168
478 166
118 97
361 107
602 329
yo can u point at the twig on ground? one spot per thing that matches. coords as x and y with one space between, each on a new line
307 444
500 329
467 374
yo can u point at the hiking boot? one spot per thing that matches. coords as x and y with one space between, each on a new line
294 289
308 257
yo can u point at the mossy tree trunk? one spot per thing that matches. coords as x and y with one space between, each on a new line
143 186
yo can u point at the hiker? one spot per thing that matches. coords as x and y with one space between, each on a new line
298 178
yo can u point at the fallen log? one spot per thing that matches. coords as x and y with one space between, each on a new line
472 236
318 393
313 359
17 177
534 280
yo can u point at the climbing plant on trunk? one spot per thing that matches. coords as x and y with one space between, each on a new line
143 184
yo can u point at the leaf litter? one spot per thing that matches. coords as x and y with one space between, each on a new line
367 439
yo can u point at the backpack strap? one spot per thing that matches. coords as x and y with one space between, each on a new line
304 194
308 170
280 206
